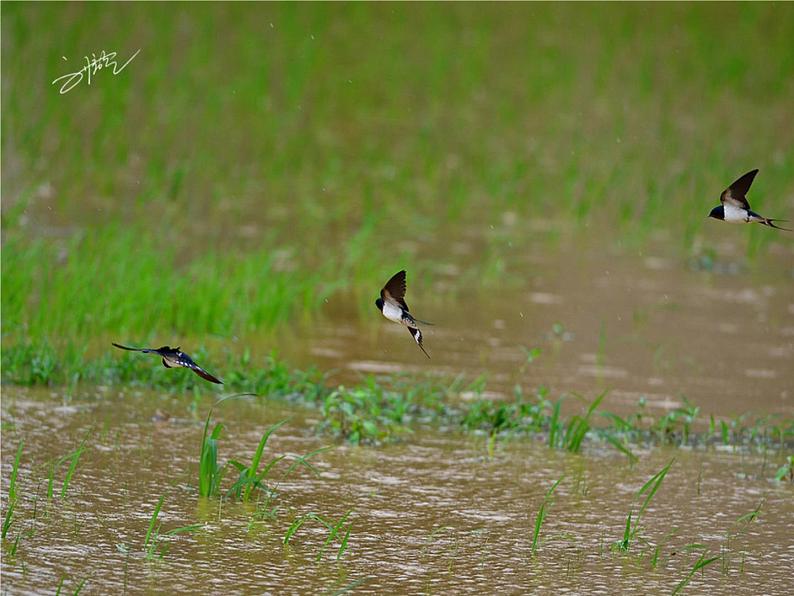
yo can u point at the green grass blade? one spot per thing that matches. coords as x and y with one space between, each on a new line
8 518
652 486
294 527
12 486
75 457
541 515
152 522
252 469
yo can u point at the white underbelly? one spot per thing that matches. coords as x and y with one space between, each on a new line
393 313
734 214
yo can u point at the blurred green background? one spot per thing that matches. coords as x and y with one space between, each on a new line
256 159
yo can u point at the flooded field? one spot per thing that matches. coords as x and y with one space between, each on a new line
431 514
437 511
609 402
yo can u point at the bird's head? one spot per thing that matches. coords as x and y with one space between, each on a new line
379 303
717 213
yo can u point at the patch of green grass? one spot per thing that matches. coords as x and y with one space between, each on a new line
276 160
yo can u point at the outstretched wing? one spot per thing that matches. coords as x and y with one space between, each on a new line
204 374
186 361
735 193
394 290
144 350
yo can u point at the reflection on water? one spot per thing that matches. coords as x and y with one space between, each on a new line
429 514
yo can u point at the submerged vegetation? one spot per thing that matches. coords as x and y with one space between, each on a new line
383 409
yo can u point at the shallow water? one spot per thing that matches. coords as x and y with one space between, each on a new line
639 323
431 514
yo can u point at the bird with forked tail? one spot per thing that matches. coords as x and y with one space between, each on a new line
174 357
393 306
736 209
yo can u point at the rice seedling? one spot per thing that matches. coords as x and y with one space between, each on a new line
77 590
152 542
12 483
148 541
620 445
72 458
530 355
541 515
677 422
786 471
648 489
11 502
210 472
250 476
569 436
334 532
699 565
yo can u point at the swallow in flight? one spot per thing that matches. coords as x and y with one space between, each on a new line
392 304
736 209
174 357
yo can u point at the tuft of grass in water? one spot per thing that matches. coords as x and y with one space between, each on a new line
786 471
250 476
335 530
152 542
676 425
578 426
210 471
373 412
541 516
649 489
700 564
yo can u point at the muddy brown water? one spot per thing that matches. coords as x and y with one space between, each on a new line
644 324
433 513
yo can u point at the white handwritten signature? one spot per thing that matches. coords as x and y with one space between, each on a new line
92 66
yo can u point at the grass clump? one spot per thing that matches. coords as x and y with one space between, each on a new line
153 544
374 412
250 476
703 561
336 530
